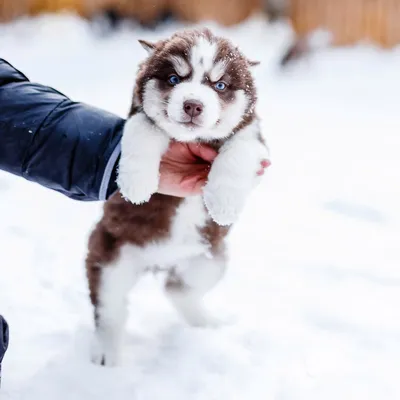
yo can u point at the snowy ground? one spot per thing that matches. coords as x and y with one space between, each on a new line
314 280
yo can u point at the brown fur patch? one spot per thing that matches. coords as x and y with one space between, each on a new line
158 66
237 73
122 223
214 235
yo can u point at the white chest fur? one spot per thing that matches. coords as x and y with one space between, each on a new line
185 240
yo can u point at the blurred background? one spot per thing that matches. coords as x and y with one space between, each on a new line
314 275
349 21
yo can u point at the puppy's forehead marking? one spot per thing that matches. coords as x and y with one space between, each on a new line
218 70
182 68
202 57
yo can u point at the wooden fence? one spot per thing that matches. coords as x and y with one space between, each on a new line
349 21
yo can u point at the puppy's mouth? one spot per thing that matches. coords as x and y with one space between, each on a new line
190 123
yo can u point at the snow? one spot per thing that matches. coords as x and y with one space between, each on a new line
314 281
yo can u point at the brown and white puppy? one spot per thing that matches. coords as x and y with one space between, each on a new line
192 87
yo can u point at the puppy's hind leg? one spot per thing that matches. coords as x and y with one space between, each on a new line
189 282
110 284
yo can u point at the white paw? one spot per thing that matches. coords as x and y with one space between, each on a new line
224 203
104 352
140 185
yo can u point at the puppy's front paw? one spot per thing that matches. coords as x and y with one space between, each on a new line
138 185
224 204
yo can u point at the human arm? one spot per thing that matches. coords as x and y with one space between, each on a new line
47 138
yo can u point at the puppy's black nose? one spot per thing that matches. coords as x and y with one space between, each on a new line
193 108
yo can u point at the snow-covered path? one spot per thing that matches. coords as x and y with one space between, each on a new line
314 280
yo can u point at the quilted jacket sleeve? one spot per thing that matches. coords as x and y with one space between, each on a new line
45 137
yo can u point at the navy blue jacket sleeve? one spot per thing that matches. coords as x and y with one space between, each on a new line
45 137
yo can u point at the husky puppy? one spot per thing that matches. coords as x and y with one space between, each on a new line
193 87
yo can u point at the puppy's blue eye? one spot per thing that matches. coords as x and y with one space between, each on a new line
220 86
173 80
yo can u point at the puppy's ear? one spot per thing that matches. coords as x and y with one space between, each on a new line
253 63
148 46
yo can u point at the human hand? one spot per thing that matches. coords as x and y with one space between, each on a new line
185 167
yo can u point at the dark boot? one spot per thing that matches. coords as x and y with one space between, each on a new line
4 335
